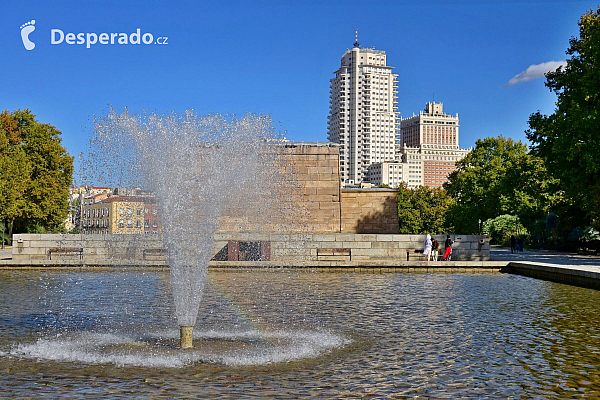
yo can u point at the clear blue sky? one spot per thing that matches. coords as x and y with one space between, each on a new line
276 57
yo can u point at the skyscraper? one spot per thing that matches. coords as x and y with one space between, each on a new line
428 151
363 117
432 137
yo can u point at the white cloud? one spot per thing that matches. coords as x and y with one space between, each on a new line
536 71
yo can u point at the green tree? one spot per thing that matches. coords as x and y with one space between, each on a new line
567 140
422 210
35 172
502 227
499 177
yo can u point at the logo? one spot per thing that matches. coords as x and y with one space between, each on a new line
26 29
89 39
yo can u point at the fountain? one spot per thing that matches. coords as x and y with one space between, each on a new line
197 167
92 333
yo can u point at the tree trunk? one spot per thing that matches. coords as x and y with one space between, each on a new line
10 228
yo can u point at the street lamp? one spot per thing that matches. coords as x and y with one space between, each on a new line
517 224
480 226
2 235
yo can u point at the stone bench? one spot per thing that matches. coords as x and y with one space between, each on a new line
67 251
325 254
154 254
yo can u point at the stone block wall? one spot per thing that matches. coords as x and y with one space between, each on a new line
308 199
297 248
106 248
370 211
317 174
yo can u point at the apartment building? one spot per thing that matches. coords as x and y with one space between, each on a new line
429 142
363 117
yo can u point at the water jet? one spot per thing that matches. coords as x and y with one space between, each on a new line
206 166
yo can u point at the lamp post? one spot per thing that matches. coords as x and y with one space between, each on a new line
2 235
517 224
480 226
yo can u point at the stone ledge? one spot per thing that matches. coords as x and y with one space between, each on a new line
577 275
446 265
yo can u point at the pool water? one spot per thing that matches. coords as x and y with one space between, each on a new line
299 334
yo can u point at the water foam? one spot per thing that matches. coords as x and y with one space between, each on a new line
129 351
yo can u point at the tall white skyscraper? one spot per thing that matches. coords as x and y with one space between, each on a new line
363 115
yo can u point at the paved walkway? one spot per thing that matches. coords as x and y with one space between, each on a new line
5 254
571 268
544 257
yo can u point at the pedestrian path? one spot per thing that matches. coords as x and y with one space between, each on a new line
545 257
6 253
576 269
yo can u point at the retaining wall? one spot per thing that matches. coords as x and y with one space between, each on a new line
370 211
293 247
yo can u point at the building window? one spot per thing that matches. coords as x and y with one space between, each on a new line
121 224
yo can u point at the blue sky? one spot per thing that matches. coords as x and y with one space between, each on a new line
276 57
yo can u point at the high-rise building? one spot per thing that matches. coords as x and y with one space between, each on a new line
429 143
363 117
431 126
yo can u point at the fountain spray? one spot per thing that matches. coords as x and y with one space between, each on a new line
198 168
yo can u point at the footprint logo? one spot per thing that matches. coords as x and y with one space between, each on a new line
26 29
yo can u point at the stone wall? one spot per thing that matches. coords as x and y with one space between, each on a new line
370 211
317 171
290 247
314 202
302 193
111 248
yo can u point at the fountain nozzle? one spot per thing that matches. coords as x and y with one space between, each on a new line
186 333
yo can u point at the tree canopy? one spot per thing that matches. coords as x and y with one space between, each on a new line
422 210
35 172
499 177
501 228
568 140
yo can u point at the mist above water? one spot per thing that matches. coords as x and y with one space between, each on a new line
198 167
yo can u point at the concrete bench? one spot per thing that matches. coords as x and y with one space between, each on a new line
67 251
154 254
325 254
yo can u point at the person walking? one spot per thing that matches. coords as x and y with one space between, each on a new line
427 244
448 248
520 243
435 249
513 243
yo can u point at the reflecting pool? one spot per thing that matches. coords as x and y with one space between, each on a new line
293 334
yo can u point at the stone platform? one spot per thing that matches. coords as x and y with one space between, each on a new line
567 268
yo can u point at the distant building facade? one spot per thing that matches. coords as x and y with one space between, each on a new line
363 117
389 173
427 153
429 141
104 214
